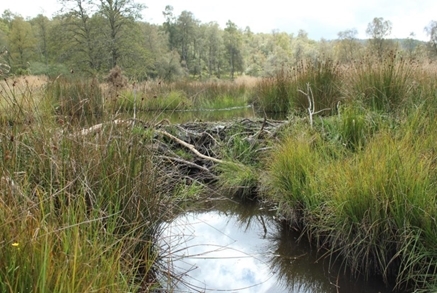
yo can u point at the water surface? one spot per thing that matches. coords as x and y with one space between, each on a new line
243 249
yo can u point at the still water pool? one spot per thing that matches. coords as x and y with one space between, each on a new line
239 248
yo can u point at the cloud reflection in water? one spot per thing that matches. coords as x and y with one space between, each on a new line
247 251
220 255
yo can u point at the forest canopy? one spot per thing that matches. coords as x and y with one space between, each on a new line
91 37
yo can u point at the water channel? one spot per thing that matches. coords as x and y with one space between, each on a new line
240 247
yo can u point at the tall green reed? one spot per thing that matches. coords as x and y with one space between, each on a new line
282 93
76 99
78 211
382 84
370 208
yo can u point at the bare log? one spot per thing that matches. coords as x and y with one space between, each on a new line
190 147
185 162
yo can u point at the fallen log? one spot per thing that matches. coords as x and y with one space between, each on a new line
191 147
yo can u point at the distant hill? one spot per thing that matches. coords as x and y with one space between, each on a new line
408 43
404 43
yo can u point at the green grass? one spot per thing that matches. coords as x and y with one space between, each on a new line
282 92
383 85
372 207
128 101
239 175
78 213
239 180
184 95
273 94
76 98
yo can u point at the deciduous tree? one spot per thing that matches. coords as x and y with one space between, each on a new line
214 48
21 44
378 30
120 16
187 29
80 36
347 45
233 43
41 25
431 31
169 27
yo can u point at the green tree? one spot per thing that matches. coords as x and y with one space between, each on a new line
79 35
169 27
233 44
41 26
326 49
21 44
4 30
155 44
187 30
199 51
7 17
378 30
120 16
254 57
135 57
431 31
347 45
303 48
169 67
279 52
214 49
5 27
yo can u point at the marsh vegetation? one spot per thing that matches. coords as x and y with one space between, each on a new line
110 127
85 186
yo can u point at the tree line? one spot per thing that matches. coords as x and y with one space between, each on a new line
93 36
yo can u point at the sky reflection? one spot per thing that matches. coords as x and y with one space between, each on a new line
218 251
222 254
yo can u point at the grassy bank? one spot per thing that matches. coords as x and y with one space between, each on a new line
362 184
184 95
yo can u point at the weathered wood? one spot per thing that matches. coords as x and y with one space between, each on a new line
205 140
191 147
188 163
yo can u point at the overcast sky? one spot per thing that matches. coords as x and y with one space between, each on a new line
320 18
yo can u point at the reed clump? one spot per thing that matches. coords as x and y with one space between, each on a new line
205 94
368 203
76 98
79 210
239 176
182 95
382 84
128 101
282 92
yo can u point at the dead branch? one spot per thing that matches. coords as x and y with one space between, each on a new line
190 147
311 104
185 162
96 128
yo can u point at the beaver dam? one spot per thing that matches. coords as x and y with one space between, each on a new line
224 235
